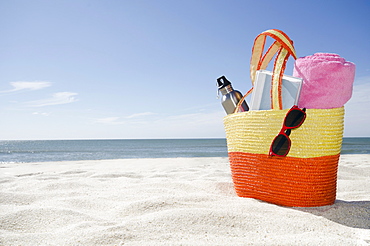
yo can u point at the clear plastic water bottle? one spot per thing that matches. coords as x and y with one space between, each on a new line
230 97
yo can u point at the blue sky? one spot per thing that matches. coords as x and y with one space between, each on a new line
89 69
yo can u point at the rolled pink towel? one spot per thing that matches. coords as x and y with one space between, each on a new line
327 80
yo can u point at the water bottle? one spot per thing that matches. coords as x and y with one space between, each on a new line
230 97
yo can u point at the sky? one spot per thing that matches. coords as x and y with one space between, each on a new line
120 69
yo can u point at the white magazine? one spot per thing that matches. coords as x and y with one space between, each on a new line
261 95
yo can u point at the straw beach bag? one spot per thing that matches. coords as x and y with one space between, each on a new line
307 175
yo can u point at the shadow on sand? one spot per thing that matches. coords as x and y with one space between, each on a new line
354 214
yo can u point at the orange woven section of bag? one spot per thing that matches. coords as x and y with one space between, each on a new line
287 181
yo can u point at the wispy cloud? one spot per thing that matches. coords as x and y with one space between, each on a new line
127 119
139 115
109 121
361 90
164 120
26 85
56 99
41 113
356 118
208 124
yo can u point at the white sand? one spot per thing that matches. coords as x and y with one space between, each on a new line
182 201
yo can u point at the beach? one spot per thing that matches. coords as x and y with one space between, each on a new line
169 201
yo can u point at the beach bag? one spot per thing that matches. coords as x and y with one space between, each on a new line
307 176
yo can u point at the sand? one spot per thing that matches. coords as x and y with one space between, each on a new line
180 201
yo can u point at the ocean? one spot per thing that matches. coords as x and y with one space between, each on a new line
18 151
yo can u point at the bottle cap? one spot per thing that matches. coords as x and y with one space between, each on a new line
222 82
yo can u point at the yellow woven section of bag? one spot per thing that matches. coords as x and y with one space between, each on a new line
253 131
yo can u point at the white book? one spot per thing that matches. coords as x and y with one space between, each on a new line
261 94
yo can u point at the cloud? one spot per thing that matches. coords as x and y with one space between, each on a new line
360 99
206 124
56 99
25 85
128 119
356 116
42 114
109 121
139 115
361 90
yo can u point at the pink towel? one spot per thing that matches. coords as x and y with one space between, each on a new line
327 80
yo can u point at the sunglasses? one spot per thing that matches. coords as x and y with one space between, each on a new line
295 117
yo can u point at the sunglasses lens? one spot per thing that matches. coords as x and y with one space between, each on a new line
294 118
281 145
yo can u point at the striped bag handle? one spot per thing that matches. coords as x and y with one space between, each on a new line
283 46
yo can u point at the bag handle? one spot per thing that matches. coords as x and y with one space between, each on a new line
283 46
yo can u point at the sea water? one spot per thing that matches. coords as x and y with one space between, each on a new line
72 150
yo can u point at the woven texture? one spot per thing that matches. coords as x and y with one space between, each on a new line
288 181
306 177
253 131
